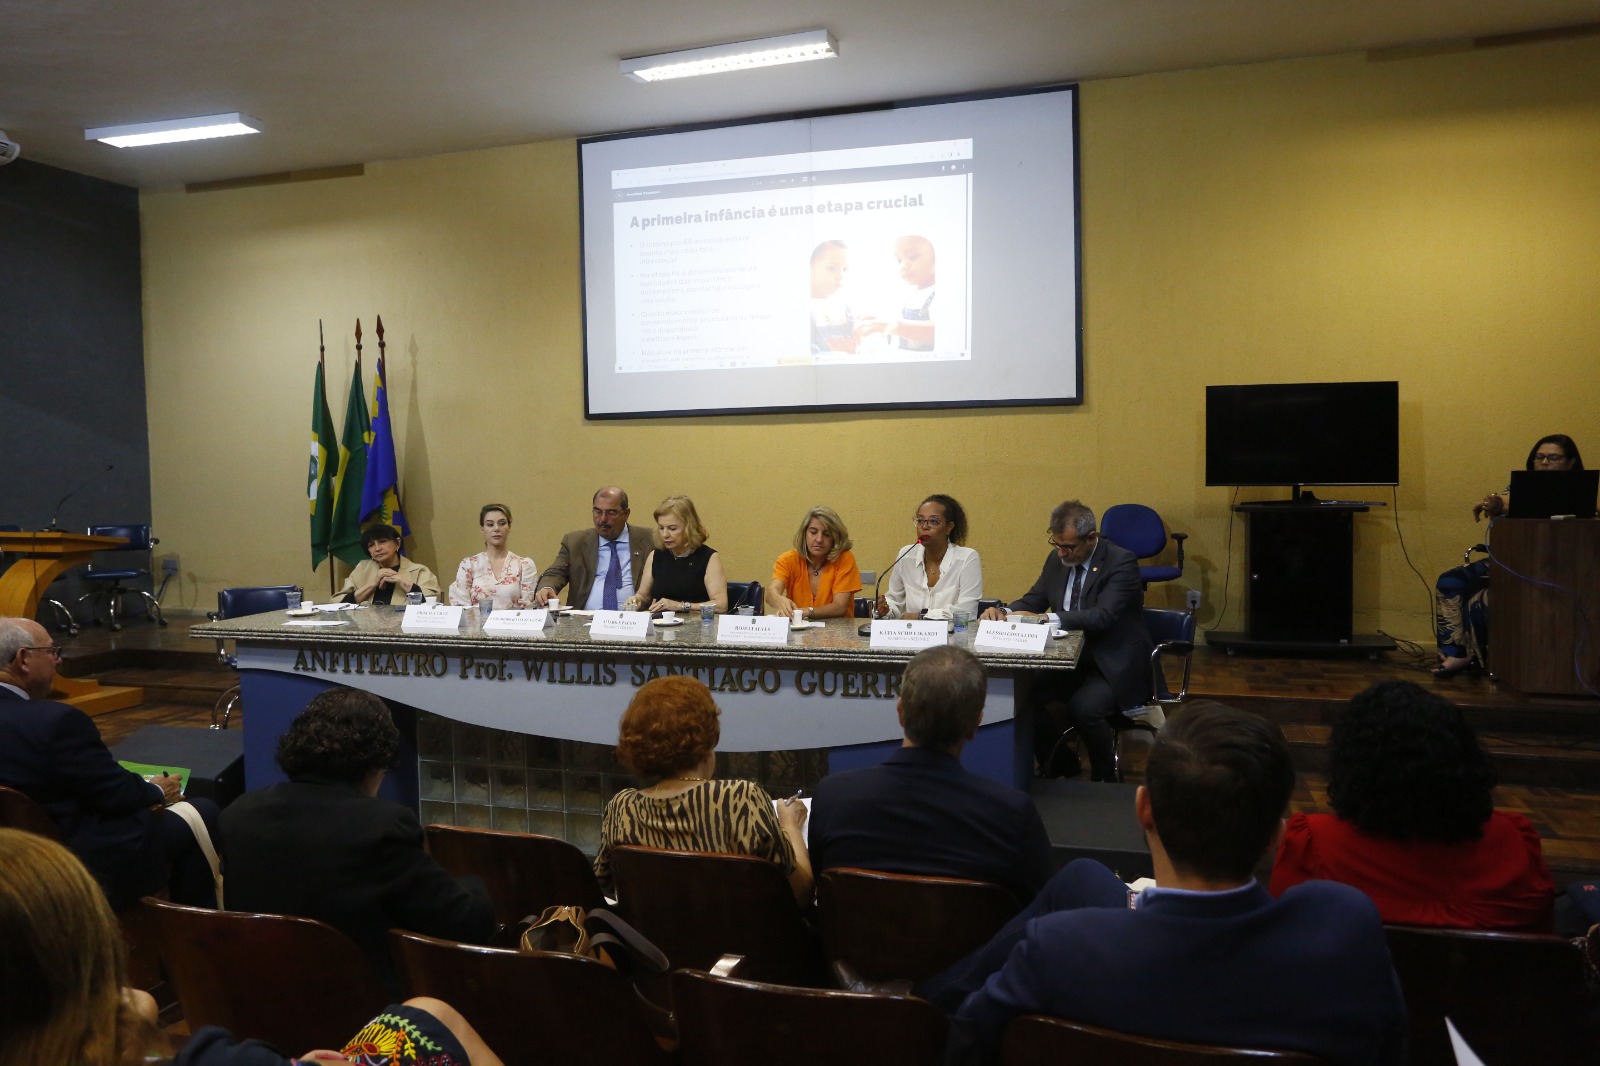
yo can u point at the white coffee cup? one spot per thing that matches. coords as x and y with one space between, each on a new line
431 601
799 616
669 616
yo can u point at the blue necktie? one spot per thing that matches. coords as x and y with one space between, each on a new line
1075 596
608 600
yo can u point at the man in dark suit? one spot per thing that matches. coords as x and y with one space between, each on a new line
922 812
1309 971
323 845
603 564
1092 585
111 818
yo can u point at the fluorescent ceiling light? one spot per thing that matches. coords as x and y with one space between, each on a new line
741 55
175 129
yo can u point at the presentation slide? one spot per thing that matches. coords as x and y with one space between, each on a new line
916 256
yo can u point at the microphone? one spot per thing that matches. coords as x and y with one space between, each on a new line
83 485
865 630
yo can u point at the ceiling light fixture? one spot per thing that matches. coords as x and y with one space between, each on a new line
741 55
175 129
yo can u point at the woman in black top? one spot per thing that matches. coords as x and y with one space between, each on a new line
683 571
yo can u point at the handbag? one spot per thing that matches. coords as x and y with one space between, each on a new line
610 940
186 810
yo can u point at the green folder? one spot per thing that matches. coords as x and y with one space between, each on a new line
147 770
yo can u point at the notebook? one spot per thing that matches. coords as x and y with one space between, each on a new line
1547 493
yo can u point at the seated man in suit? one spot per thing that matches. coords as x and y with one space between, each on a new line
1206 956
387 576
111 818
922 812
612 551
323 845
1092 585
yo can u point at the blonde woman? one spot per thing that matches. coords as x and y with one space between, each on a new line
683 571
819 576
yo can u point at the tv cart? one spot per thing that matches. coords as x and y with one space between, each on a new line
1300 597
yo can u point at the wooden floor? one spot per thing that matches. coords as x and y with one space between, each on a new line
1547 751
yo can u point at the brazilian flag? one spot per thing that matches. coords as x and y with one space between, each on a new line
344 538
320 480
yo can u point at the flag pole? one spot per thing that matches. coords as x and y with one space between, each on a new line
322 362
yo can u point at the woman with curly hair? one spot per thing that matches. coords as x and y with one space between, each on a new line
1414 824
62 998
937 571
323 845
669 738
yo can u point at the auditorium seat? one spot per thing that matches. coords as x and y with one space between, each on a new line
724 1021
887 926
1035 1040
523 872
19 811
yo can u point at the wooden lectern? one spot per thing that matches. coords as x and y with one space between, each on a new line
36 559
1544 602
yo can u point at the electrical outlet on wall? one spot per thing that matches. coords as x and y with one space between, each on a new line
1194 599
868 577
169 564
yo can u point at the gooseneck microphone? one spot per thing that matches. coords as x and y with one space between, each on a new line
865 629
56 515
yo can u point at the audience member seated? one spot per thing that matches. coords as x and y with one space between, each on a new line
111 818
62 998
1206 956
669 737
1414 824
937 571
496 575
323 845
1461 619
1090 584
819 576
683 571
922 812
603 563
387 576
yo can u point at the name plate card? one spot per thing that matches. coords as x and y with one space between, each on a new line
621 625
749 629
1012 636
518 621
431 618
900 633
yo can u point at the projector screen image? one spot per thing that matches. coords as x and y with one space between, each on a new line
921 255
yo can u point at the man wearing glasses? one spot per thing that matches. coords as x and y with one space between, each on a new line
1091 585
112 819
603 564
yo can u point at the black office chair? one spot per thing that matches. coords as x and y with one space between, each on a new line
1140 530
107 582
745 594
236 603
1172 633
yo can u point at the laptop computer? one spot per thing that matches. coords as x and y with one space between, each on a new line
1547 493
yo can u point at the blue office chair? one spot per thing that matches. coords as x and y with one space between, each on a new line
1140 530
745 594
65 622
236 603
107 582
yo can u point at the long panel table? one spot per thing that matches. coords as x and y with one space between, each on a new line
825 688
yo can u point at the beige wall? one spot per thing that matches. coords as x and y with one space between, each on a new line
1435 220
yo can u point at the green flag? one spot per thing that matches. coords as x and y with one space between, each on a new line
320 481
344 538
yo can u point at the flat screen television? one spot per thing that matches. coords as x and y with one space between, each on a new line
1307 433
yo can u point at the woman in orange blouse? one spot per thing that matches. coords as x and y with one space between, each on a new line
819 575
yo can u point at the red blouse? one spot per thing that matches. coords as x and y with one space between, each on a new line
1498 882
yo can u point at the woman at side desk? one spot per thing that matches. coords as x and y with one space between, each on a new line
939 572
819 576
1461 620
495 575
683 571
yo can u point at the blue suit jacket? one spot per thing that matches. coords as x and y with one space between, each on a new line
53 752
922 812
1308 971
1110 613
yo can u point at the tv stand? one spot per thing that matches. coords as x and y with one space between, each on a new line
1300 597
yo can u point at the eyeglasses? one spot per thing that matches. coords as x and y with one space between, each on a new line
1050 539
53 649
928 523
607 514
1550 458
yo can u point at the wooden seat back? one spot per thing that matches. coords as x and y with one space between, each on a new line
18 810
903 925
523 872
1035 1040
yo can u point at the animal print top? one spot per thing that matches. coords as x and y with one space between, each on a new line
733 817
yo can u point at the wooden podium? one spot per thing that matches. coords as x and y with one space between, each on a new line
1544 603
36 560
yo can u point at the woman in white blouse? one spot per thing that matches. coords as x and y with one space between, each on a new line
939 572
495 575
